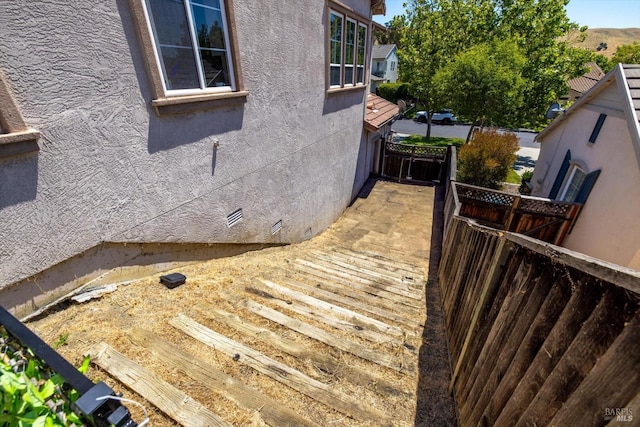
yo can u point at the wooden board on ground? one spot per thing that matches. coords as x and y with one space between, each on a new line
270 411
370 323
354 276
405 304
376 260
320 292
161 394
379 273
278 371
395 362
322 361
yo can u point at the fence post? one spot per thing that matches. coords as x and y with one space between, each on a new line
512 213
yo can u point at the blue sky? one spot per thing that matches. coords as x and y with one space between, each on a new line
593 13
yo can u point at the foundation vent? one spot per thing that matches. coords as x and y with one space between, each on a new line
234 218
276 227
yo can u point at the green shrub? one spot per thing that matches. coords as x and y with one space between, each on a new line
392 92
487 159
33 395
525 188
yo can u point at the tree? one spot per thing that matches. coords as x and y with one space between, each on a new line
484 83
393 35
627 54
438 29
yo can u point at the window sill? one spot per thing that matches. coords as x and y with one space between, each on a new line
16 143
335 90
193 103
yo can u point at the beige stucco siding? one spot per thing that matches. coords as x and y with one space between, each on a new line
607 227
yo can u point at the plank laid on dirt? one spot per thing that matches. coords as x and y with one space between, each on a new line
352 326
322 361
378 260
323 281
376 273
319 292
161 394
395 362
278 371
272 412
325 273
355 276
362 320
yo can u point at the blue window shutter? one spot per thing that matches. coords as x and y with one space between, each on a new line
596 129
561 173
587 185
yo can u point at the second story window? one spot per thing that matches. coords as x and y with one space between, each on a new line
191 45
347 50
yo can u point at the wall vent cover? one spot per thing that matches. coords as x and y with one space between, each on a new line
276 227
234 218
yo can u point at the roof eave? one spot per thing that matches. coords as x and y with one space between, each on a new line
378 7
615 74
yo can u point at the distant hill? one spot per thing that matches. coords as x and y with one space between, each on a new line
613 37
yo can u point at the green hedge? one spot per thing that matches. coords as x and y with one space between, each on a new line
394 91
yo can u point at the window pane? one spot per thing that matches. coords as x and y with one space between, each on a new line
211 3
335 75
171 30
360 76
348 74
573 186
350 43
179 68
209 27
336 49
362 40
216 69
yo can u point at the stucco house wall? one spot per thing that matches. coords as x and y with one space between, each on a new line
110 169
607 226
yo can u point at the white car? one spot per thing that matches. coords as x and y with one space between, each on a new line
445 117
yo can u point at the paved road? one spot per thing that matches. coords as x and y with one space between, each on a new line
527 154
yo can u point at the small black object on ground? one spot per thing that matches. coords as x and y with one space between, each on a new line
173 280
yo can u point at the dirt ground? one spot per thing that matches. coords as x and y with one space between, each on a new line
391 227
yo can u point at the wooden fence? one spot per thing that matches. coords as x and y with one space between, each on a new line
544 219
539 335
414 162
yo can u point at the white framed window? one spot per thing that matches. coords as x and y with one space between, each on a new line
573 184
347 51
191 45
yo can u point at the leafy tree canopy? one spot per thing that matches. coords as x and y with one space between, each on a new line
393 35
484 83
627 54
438 29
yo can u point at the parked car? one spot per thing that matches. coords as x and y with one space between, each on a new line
445 117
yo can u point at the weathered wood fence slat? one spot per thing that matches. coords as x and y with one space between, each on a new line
538 335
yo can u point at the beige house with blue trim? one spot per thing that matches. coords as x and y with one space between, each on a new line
591 154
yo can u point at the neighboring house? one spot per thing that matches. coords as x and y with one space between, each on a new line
175 122
591 154
580 85
384 64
